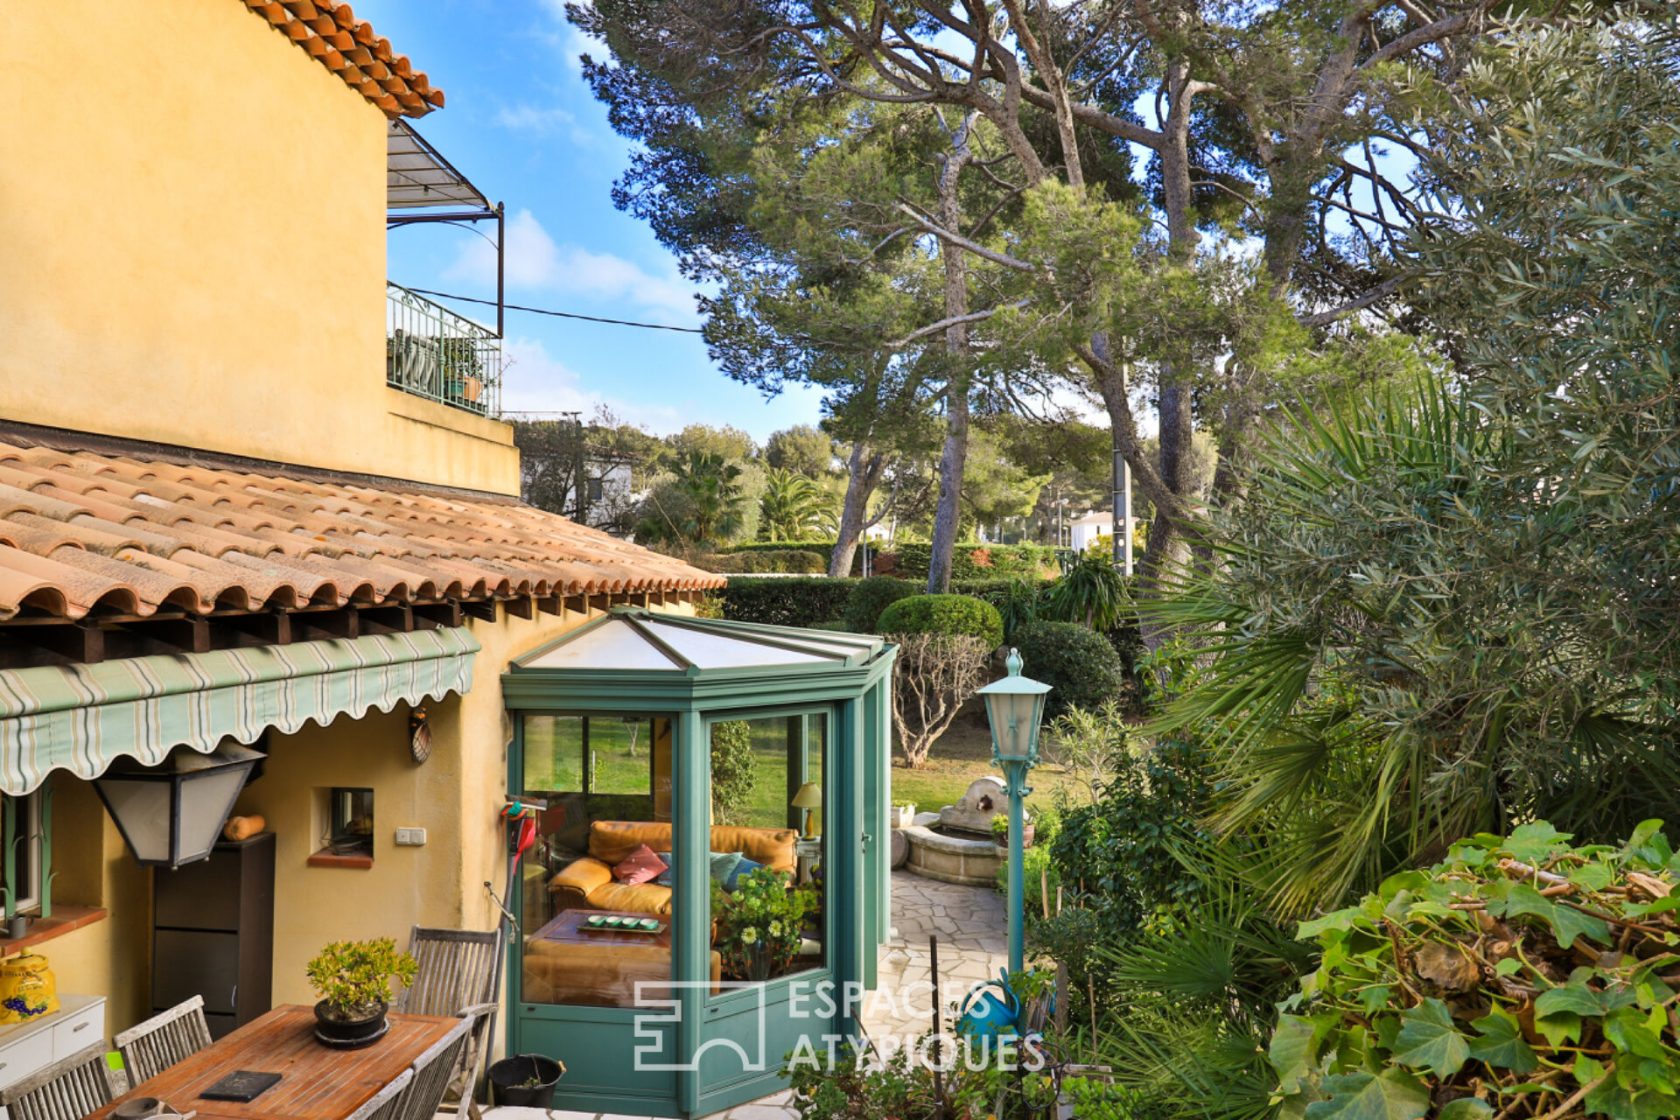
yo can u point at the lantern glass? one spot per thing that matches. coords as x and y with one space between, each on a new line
173 814
1015 708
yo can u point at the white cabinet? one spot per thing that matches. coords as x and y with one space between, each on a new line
26 1047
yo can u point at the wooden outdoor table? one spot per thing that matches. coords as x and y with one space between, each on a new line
316 1081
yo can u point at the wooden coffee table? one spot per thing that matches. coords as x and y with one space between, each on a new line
567 928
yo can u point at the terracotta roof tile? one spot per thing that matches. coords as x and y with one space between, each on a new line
85 531
332 35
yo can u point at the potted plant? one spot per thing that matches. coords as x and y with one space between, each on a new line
1000 834
904 815
761 924
353 979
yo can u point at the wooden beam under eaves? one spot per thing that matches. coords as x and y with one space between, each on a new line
520 607
447 614
552 604
482 609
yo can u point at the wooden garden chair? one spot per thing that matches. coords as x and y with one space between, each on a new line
460 974
387 1103
66 1090
433 1071
171 1036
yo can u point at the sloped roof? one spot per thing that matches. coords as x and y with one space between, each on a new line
631 638
329 32
84 530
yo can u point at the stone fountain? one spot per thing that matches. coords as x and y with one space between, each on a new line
955 845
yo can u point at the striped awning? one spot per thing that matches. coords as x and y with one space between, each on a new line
81 718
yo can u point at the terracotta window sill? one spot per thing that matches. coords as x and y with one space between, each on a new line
324 858
64 919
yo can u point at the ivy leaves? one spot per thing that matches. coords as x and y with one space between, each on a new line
1522 973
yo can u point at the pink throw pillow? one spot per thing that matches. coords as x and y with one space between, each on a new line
640 866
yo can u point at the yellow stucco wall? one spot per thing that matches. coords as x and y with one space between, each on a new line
94 869
192 225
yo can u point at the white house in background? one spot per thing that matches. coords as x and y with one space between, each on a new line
1084 530
612 496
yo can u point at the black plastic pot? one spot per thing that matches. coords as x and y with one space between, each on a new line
334 1029
526 1080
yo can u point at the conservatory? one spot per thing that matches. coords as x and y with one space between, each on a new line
707 884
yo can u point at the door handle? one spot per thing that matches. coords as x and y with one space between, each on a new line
82 1026
233 998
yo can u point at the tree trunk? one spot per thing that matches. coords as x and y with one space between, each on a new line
1166 532
954 455
863 475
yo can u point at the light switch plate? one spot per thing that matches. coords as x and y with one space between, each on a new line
411 837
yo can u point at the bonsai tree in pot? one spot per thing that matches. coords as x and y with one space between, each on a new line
353 979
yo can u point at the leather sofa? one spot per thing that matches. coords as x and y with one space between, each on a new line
588 883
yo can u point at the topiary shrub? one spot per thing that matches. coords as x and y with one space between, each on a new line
944 614
786 560
734 770
872 596
1079 664
1521 977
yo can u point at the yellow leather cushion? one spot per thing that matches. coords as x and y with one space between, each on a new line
612 841
582 875
773 847
638 898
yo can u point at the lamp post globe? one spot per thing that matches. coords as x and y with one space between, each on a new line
1015 711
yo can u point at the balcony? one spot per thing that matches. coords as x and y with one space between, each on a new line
432 352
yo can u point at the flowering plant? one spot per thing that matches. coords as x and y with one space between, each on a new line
761 924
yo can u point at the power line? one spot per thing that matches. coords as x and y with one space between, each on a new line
561 314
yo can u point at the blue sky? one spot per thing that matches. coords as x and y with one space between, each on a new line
521 124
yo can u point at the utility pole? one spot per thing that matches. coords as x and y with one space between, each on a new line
580 484
1122 503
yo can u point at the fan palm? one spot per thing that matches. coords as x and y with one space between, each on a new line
1389 665
712 489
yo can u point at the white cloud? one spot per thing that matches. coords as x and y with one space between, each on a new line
568 40
533 380
525 117
536 263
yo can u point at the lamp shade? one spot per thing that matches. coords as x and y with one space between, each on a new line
173 813
808 797
1015 709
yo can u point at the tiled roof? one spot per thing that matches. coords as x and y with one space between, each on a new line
332 35
83 530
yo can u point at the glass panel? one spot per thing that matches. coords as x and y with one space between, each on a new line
554 753
206 801
767 901
141 806
350 829
594 910
618 756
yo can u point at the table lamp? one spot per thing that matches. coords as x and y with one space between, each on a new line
809 798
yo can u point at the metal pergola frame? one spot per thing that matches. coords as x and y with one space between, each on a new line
456 188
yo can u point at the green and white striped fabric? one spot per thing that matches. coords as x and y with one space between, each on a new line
82 718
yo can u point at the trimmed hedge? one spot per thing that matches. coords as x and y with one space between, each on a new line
819 548
872 596
944 614
790 601
1081 667
979 561
795 561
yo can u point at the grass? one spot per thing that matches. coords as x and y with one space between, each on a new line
963 754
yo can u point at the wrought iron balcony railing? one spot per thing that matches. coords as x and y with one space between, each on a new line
432 352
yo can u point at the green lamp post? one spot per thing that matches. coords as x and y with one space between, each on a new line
1015 709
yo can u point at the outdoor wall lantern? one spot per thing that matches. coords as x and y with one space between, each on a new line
1015 710
173 813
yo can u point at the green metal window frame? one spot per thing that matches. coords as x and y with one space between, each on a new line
27 819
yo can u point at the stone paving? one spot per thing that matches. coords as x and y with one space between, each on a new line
973 946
